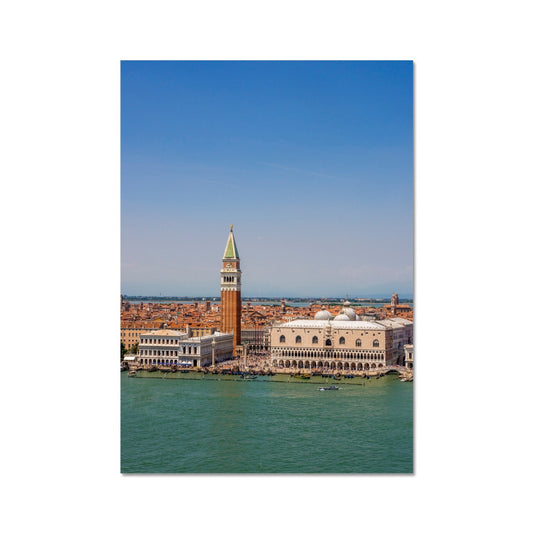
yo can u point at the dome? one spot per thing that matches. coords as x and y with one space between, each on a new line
346 303
323 314
342 316
350 313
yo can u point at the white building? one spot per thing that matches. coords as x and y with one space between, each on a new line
170 347
408 348
402 333
341 343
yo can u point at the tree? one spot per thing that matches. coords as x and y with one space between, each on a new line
122 350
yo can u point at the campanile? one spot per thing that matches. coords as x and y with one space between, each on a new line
230 291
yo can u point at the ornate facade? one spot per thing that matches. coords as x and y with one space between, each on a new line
171 347
342 343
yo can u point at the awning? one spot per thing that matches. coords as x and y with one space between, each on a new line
130 358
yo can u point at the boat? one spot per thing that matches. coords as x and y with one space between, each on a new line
248 376
132 373
331 387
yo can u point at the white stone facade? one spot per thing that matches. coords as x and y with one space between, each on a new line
171 347
408 350
338 344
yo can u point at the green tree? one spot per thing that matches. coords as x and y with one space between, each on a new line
122 350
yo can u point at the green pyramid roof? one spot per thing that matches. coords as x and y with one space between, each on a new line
231 248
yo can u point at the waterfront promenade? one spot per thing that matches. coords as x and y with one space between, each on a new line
259 364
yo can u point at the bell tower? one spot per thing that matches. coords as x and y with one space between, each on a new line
230 291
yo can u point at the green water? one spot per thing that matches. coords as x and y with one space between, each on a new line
192 423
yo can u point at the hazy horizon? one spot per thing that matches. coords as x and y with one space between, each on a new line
273 297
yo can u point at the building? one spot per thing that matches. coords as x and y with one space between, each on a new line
396 308
402 333
230 291
341 343
170 347
408 348
254 339
130 336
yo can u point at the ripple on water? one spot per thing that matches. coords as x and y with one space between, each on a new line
205 425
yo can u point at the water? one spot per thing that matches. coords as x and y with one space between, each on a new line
192 423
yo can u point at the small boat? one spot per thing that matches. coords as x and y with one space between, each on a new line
331 387
132 373
184 371
248 376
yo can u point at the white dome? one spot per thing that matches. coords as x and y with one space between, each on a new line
342 316
323 315
350 313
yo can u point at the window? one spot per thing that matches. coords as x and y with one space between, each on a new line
358 342
328 342
298 339
375 344
282 339
342 340
315 340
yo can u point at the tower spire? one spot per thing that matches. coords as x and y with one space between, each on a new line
231 251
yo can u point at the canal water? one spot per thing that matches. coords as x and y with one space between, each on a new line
174 423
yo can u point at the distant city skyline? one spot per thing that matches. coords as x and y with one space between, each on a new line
312 162
260 299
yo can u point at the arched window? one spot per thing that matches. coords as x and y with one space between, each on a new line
282 338
328 342
298 339
342 340
375 344
358 342
315 340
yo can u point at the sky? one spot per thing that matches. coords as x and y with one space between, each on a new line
312 163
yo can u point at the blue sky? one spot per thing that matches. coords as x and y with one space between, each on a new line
312 162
